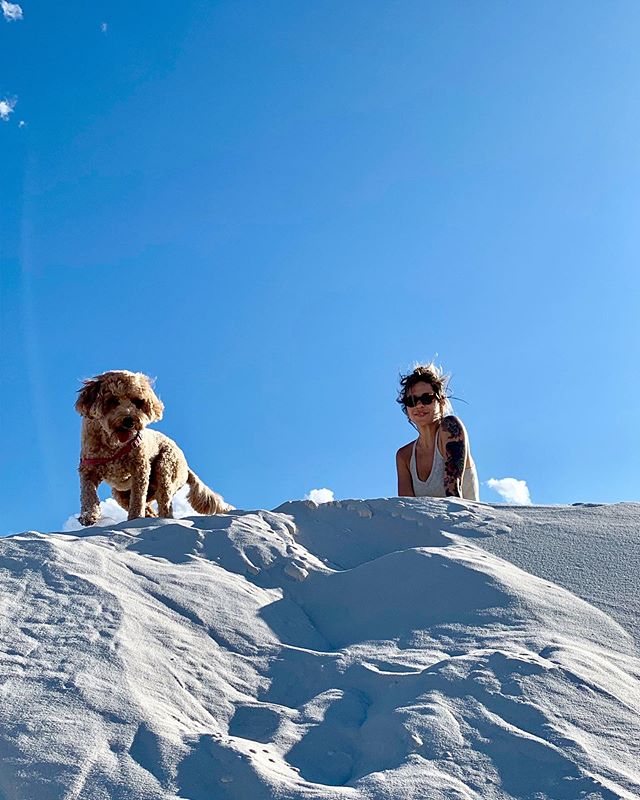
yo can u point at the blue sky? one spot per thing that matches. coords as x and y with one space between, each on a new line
275 208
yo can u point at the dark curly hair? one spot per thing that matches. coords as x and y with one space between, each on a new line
431 374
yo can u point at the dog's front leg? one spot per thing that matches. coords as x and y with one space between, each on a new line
139 489
89 500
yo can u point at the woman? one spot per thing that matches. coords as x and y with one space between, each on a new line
438 463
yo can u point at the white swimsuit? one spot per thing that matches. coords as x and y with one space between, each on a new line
434 485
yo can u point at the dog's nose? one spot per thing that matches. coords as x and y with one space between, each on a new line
127 422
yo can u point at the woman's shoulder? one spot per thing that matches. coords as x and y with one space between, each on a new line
452 427
404 453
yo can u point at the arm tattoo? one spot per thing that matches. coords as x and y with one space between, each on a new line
456 458
454 468
452 427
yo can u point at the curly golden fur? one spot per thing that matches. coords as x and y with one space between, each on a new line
139 464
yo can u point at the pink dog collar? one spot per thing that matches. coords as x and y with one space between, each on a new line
95 462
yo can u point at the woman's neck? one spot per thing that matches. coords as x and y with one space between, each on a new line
428 433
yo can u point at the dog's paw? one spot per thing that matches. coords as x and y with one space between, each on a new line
89 517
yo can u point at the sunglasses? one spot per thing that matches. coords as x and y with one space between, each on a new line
412 400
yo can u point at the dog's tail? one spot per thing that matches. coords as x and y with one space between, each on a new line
203 499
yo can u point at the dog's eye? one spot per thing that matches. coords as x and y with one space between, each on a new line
138 402
111 402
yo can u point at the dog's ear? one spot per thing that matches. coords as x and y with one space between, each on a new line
157 407
87 396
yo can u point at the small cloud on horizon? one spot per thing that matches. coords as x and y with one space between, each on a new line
511 490
111 513
12 11
6 108
320 496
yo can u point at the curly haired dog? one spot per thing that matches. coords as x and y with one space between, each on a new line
139 464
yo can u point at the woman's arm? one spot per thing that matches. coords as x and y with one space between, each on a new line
405 484
455 446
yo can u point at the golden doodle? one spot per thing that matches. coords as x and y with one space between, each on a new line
139 464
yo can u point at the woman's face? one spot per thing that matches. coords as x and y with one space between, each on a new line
422 413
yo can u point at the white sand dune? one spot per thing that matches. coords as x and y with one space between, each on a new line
378 649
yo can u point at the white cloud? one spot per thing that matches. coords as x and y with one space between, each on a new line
6 108
11 11
104 27
111 513
22 123
512 490
320 496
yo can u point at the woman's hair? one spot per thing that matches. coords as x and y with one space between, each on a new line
435 377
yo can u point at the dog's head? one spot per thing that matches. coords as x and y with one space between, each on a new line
122 402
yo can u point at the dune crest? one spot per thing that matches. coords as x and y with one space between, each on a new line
357 649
